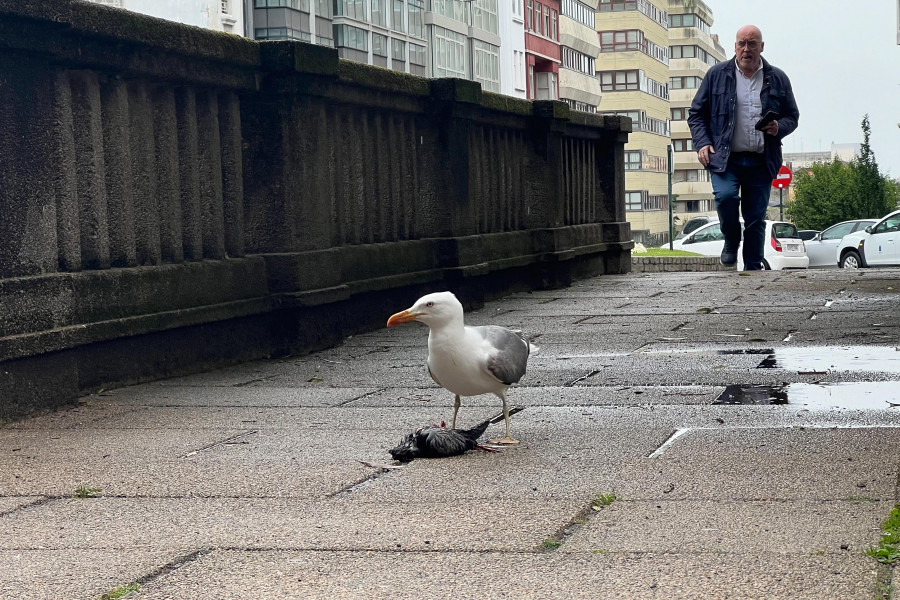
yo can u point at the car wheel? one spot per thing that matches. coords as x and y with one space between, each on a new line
851 260
766 265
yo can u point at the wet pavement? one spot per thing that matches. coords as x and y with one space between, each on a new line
684 435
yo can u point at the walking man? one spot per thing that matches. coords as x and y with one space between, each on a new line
741 112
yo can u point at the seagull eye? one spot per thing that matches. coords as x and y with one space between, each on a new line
429 304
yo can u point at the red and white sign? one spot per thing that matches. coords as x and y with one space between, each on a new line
783 179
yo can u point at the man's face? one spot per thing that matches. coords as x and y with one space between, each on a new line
748 47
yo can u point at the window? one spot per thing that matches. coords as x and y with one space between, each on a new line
519 66
679 114
397 20
656 202
546 30
690 175
379 14
486 67
684 145
640 121
547 86
692 52
529 26
347 36
323 9
633 160
888 225
838 231
713 233
417 55
633 200
398 50
582 106
554 17
280 33
517 9
618 81
661 17
295 4
617 5
688 21
484 15
629 40
417 18
353 9
538 20
448 53
379 44
575 60
454 9
578 11
691 82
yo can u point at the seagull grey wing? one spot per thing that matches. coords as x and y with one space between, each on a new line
508 365
438 441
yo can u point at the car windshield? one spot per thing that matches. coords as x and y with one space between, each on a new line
783 231
836 232
709 234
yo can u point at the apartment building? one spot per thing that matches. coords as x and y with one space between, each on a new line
542 54
219 15
443 38
579 47
633 69
512 50
693 49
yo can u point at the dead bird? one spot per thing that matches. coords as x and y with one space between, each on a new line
436 441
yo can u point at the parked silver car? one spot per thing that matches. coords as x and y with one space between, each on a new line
821 248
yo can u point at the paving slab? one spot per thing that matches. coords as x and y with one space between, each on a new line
83 573
344 523
235 575
798 527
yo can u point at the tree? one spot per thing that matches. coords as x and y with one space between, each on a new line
872 201
829 193
824 194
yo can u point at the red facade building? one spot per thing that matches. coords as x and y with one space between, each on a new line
542 53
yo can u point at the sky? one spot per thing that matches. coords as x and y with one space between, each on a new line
843 62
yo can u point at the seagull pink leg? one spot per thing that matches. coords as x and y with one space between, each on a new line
456 404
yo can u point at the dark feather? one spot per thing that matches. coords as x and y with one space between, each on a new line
437 442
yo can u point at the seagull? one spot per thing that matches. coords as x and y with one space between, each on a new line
468 361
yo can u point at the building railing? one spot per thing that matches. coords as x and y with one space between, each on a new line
173 199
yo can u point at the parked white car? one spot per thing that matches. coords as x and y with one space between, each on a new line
783 248
876 245
821 248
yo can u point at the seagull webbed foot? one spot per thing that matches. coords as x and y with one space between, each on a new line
507 441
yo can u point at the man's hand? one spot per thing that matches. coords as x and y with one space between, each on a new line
771 128
704 152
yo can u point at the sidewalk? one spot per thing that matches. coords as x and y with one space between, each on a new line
265 480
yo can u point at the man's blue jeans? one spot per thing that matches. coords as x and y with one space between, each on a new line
743 190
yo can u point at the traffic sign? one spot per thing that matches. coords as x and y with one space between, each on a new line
783 179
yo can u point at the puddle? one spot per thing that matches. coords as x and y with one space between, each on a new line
868 395
884 359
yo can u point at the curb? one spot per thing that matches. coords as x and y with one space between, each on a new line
660 264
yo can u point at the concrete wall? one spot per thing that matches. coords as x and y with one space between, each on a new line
173 199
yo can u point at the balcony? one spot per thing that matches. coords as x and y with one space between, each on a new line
574 85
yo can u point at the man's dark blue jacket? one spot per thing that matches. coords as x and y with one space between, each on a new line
711 116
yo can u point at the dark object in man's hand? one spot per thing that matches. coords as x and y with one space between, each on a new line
767 118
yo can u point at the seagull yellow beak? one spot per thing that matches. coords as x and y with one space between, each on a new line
404 316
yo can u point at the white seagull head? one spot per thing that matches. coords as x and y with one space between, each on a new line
435 310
